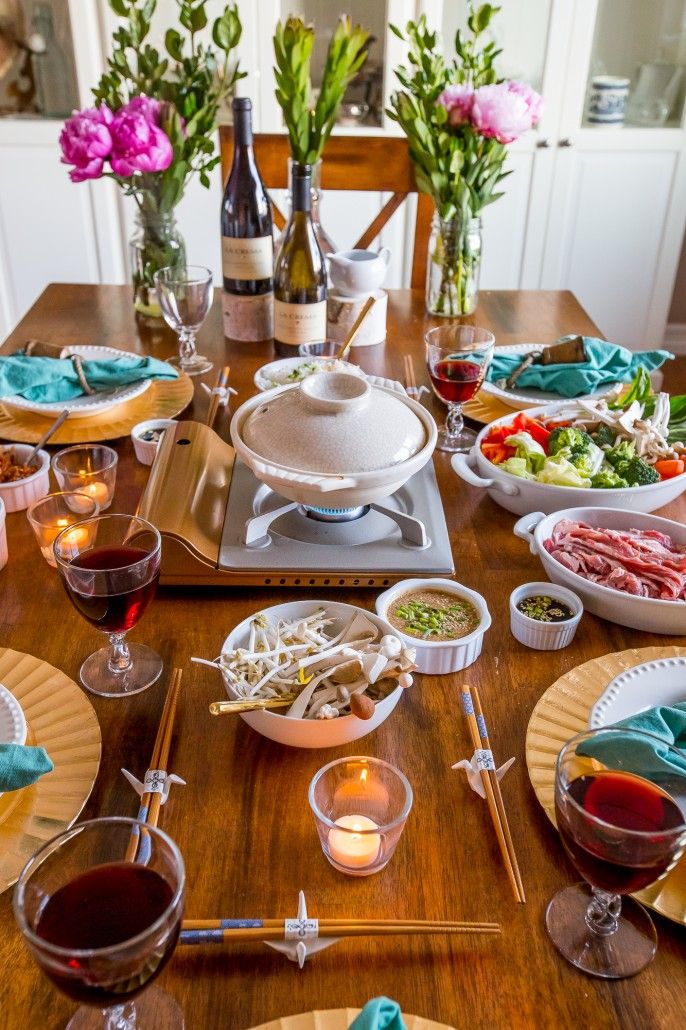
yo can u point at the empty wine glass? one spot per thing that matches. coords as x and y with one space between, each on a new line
457 359
110 572
102 925
185 296
620 803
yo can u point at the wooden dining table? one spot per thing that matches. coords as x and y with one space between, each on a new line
243 822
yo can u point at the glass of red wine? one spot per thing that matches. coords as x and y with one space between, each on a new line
110 572
622 830
457 358
101 927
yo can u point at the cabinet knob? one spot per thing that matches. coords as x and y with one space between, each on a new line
543 144
564 142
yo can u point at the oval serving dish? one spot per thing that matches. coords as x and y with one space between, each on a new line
521 495
647 613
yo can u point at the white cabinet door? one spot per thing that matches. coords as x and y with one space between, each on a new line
608 218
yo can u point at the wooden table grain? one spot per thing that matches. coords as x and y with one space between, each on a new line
243 822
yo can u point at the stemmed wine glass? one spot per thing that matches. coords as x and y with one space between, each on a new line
622 832
102 927
457 359
110 572
185 296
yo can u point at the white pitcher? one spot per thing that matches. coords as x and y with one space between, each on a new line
358 271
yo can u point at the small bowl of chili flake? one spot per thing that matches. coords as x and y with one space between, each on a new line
22 484
544 616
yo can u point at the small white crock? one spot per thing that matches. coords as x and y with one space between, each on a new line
147 449
544 636
438 657
4 554
23 492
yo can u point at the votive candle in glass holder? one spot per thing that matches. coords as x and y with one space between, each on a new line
90 470
360 806
53 513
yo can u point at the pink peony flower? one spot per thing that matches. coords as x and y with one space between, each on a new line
533 100
457 100
86 141
500 113
138 143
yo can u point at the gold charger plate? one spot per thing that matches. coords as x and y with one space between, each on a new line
164 399
340 1019
62 720
561 713
486 408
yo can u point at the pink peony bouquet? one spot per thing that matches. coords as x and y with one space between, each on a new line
458 118
132 140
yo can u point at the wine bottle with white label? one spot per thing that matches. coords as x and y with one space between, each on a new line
299 275
247 247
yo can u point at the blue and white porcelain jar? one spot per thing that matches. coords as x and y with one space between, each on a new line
607 100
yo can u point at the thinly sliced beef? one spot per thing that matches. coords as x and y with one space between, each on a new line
645 563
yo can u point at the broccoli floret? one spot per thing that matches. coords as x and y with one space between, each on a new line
638 472
605 437
569 438
621 454
608 479
585 462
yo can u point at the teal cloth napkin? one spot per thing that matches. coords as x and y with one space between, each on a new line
21 766
379 1014
606 363
50 380
648 759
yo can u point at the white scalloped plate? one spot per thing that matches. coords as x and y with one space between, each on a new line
662 682
263 377
83 407
522 398
12 721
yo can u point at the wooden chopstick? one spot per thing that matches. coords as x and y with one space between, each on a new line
149 810
353 929
410 380
436 924
485 742
222 381
491 788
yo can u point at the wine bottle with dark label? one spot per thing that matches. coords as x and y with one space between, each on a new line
299 275
247 247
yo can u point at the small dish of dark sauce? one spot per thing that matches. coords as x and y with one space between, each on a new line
543 608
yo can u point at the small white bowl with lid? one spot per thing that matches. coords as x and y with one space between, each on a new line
544 636
438 657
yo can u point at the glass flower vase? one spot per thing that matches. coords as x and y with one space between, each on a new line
453 266
156 243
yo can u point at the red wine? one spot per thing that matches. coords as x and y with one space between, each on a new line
247 248
300 274
456 380
114 598
607 858
105 906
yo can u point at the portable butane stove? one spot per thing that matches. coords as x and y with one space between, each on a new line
220 525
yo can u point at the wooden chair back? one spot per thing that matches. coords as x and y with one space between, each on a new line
379 164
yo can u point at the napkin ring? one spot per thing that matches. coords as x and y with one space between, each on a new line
77 362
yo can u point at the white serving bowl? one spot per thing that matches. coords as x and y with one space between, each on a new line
646 613
437 657
544 636
341 488
312 733
23 492
147 449
522 495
